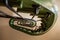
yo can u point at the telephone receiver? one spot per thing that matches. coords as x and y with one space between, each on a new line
43 15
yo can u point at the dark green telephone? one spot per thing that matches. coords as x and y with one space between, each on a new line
43 15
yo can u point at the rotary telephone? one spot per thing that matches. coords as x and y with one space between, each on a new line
42 15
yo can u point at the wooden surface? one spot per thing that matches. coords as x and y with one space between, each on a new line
7 33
